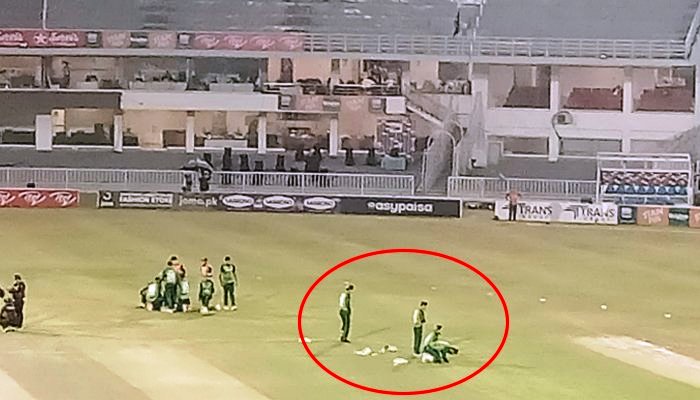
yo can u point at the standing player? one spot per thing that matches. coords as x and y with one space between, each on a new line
418 322
184 294
206 292
18 292
170 278
345 311
228 281
513 197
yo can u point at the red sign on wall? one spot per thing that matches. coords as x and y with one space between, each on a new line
39 198
39 38
247 42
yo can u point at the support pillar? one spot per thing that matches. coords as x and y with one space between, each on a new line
262 134
554 146
189 133
118 132
627 93
333 138
43 133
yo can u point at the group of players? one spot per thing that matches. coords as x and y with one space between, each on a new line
169 291
12 312
431 349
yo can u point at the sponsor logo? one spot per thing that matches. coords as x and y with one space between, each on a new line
262 43
395 207
162 40
32 198
319 203
57 39
63 199
238 201
653 216
626 213
154 199
207 202
6 198
588 212
106 199
278 202
115 39
533 211
290 43
12 39
679 215
234 42
206 41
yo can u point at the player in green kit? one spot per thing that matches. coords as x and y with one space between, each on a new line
206 292
228 281
170 280
183 294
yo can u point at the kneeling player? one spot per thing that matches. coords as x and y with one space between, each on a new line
9 319
150 295
206 292
435 350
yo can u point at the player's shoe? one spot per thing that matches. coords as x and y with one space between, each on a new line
226 308
416 355
234 308
149 307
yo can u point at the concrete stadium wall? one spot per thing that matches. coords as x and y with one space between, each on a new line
589 124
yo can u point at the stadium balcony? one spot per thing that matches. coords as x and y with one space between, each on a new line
595 99
666 99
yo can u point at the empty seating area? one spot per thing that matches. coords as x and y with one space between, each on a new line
528 97
595 99
666 99
645 187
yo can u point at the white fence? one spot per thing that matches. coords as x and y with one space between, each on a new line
298 183
494 46
243 182
490 189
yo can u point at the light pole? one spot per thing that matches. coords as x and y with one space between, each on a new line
44 13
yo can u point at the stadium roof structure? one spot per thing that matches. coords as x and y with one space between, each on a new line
607 29
594 19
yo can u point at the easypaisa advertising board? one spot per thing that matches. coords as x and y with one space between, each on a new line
390 206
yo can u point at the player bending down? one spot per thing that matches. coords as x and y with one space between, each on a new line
436 350
150 295
206 292
9 319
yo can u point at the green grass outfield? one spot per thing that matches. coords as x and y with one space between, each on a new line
85 339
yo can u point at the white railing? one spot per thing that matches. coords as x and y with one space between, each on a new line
93 179
494 46
489 189
577 48
244 182
310 183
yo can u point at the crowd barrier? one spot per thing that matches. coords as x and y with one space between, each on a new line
362 205
39 198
